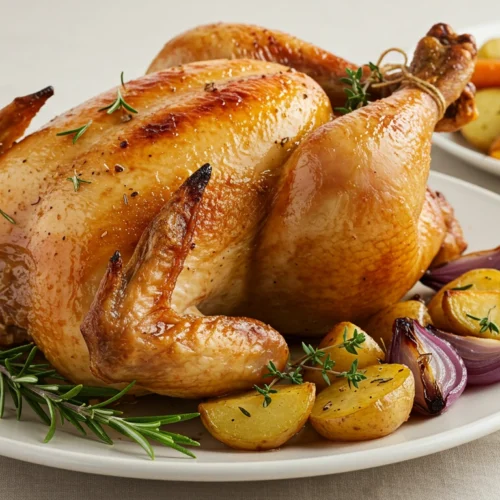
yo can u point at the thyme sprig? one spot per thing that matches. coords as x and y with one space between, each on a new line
357 91
38 386
7 217
485 323
78 132
315 359
350 345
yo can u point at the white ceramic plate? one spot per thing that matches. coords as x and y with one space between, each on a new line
475 415
454 143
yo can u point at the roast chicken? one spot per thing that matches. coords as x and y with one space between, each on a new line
175 246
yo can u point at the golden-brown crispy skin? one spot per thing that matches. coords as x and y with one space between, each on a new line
235 41
16 117
246 125
454 243
245 41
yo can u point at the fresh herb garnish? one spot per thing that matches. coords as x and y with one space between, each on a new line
50 397
485 322
245 412
356 94
319 360
121 80
462 288
77 181
77 131
6 216
350 345
266 391
353 376
119 103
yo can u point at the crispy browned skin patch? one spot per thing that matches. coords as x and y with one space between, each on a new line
16 117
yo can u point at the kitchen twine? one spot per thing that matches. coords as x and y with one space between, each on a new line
398 73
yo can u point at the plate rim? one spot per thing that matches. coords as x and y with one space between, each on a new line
180 469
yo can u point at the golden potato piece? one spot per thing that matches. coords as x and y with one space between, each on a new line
242 422
369 354
476 280
490 49
378 407
380 325
473 313
482 132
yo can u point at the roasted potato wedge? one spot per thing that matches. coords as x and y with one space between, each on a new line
242 422
482 132
490 49
477 280
473 313
369 354
379 326
378 407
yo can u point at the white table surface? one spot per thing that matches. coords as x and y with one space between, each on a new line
81 48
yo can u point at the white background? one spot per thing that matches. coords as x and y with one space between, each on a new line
81 47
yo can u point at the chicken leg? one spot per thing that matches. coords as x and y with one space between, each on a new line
353 226
236 41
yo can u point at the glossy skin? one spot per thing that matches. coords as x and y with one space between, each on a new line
236 41
245 41
55 256
303 221
353 223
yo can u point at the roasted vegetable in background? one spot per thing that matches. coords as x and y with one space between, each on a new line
440 374
473 313
481 356
438 277
490 49
242 422
477 280
380 325
369 352
482 132
379 405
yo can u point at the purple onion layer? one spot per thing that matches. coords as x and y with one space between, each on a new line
440 276
440 373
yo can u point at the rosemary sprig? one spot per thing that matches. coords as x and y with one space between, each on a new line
6 216
119 102
77 131
77 181
27 383
485 323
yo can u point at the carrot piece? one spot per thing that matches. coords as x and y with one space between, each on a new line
487 73
495 148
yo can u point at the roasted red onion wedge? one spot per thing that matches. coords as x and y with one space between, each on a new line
440 374
441 275
481 356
